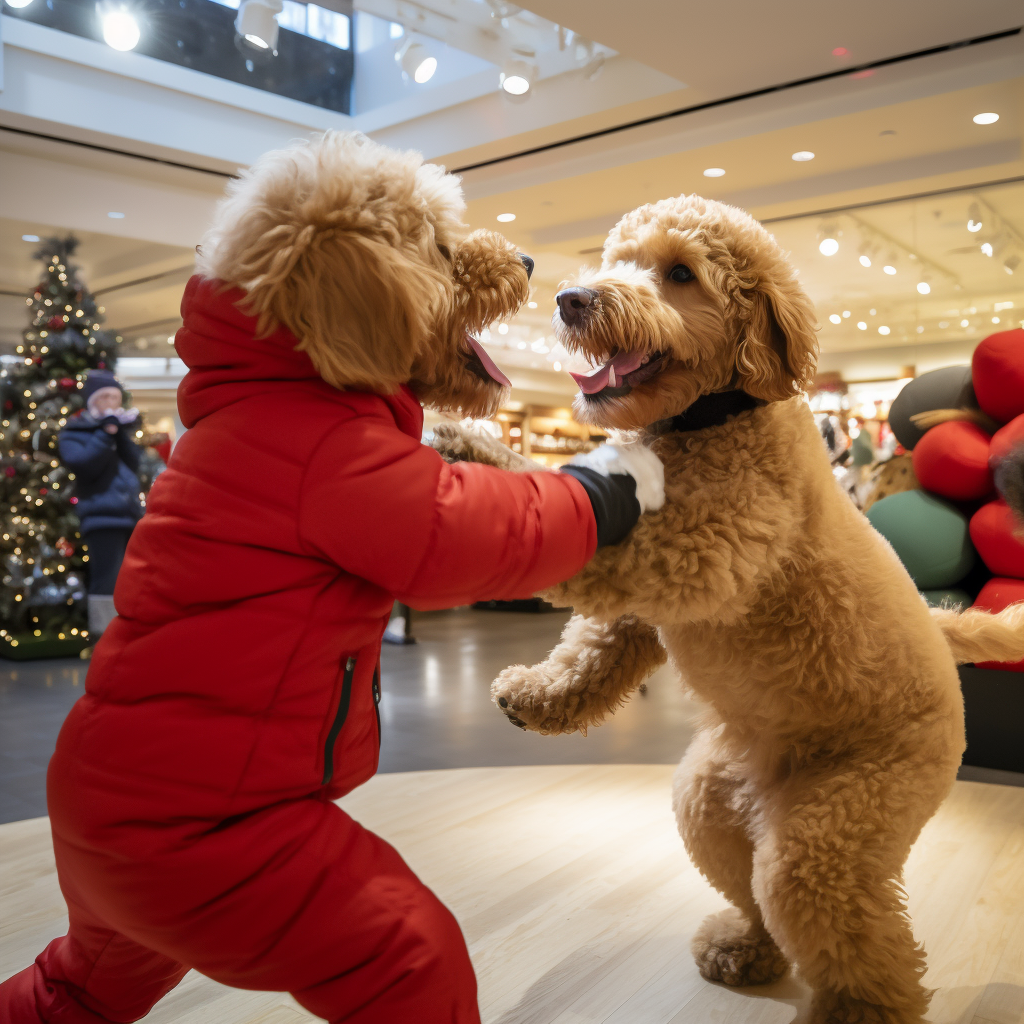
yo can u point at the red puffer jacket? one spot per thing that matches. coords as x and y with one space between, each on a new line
242 670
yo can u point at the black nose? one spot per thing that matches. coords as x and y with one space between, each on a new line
573 301
528 263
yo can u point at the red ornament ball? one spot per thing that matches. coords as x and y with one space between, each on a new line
43 490
67 383
993 530
101 366
997 372
74 501
55 323
997 594
952 460
9 471
1007 438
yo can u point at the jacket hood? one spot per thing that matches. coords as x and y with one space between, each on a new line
227 361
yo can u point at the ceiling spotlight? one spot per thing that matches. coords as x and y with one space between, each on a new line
965 323
974 217
865 260
835 318
119 26
924 287
506 218
256 24
889 269
985 118
861 326
714 172
803 156
35 238
18 4
1011 263
517 78
986 248
883 329
828 247
846 314
416 61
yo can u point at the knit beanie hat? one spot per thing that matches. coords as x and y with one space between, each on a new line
97 379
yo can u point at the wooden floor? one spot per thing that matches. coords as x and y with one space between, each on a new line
579 903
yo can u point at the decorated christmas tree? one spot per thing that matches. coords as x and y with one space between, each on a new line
42 588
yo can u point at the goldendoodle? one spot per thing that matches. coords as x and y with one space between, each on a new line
834 723
360 252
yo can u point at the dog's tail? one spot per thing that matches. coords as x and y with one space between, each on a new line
974 635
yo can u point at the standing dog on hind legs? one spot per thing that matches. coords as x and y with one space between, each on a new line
835 722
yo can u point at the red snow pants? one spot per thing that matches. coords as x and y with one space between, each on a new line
314 905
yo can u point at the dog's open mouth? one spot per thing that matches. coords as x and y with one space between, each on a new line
483 365
619 374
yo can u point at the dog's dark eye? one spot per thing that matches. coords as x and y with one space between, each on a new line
680 274
445 252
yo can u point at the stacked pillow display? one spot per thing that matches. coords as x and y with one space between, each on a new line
957 537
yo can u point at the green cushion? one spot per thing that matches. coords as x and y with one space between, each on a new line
958 599
930 536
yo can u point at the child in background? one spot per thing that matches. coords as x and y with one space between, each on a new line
98 446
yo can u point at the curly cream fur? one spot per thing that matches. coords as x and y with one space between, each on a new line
834 723
360 252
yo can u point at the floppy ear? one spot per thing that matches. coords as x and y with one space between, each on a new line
778 350
360 307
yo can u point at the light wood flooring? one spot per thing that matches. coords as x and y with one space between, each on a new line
579 903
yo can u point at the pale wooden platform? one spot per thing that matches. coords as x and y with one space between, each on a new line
579 903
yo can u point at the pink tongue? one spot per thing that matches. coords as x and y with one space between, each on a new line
623 363
488 362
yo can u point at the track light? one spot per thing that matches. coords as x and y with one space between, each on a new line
257 26
828 240
416 61
986 248
1011 263
974 217
865 260
517 78
119 26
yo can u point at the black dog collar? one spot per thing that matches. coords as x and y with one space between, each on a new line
714 409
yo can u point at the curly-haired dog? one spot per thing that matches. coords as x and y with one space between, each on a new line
834 722
234 697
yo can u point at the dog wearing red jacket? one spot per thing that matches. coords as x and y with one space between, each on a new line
234 697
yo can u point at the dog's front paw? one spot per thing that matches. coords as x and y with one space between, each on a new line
522 695
727 950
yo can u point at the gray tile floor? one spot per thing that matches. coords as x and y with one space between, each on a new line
435 710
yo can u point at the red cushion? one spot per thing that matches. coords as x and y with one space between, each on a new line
997 372
1007 438
997 594
952 460
992 530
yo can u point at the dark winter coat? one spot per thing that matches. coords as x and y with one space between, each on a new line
105 465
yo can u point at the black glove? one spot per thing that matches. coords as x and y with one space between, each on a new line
613 499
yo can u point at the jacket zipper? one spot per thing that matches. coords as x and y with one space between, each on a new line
376 699
339 719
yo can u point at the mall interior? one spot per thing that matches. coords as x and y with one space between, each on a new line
882 146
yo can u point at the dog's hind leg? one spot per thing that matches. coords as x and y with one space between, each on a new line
827 876
713 810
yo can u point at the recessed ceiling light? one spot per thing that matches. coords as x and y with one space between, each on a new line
120 29
995 319
828 247
558 366
113 215
506 218
503 328
965 323
714 172
924 287
889 268
846 313
861 326
18 4
989 118
865 261
531 305
836 318
803 155
30 238
883 329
